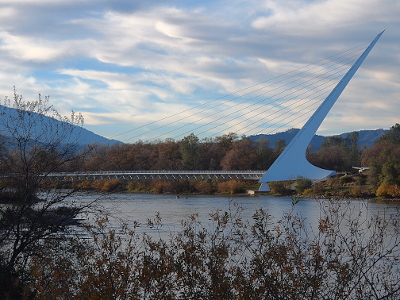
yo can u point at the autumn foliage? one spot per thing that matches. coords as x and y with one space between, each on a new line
346 255
231 152
384 160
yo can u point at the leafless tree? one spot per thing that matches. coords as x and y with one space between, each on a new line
35 141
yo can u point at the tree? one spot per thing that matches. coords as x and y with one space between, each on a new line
390 172
329 158
211 154
337 153
265 155
352 149
169 157
242 156
226 141
189 147
332 141
393 136
384 162
36 141
280 145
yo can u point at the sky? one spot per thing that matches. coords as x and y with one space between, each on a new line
133 68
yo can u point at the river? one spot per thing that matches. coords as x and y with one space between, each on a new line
131 207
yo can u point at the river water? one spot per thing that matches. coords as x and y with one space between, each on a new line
131 207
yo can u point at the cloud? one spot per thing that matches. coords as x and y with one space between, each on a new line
124 64
315 17
29 49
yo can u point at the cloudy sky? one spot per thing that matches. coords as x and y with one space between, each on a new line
129 65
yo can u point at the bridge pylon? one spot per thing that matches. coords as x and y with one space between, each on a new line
292 163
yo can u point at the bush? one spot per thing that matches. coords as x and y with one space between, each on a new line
346 179
361 179
318 188
388 190
302 184
280 188
231 187
110 185
204 186
347 255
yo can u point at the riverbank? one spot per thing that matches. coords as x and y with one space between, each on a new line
347 186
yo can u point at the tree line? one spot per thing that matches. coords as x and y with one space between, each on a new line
234 152
226 152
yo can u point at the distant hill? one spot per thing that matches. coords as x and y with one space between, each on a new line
82 135
88 137
366 137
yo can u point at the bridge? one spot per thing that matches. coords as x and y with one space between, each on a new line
155 175
291 163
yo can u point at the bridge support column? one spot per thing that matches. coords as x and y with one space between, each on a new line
292 162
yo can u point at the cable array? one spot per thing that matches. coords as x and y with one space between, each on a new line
282 102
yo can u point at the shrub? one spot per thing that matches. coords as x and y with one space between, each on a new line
280 187
302 184
111 185
361 179
230 187
204 186
346 179
346 255
388 190
138 185
318 188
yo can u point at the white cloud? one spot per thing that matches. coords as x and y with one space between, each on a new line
307 18
29 49
147 61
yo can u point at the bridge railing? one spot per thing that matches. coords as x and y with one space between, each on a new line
162 172
155 175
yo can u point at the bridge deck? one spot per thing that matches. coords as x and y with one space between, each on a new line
155 175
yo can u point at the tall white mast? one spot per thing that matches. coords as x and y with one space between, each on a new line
292 162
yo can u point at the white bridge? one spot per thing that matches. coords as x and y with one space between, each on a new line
291 164
154 175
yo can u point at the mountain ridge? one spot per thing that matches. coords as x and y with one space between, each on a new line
366 138
85 137
79 133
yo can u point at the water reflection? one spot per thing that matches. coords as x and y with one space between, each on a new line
129 208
